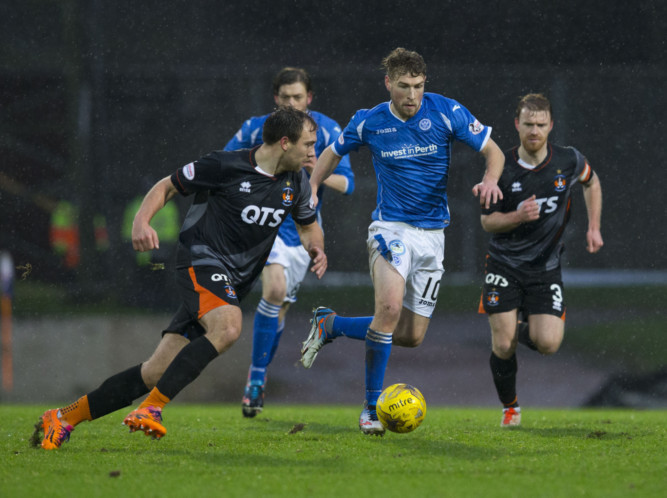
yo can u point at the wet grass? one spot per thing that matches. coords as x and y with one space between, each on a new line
318 451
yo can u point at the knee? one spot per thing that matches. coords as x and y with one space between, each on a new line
274 292
407 342
223 338
151 373
547 347
504 348
389 312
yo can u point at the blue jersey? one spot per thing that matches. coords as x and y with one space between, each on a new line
328 130
411 158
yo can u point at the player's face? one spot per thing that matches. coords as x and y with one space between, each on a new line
294 95
406 94
534 128
301 153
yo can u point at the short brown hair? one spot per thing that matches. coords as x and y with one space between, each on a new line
286 122
401 61
534 102
290 75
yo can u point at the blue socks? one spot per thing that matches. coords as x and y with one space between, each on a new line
276 341
265 332
378 349
354 327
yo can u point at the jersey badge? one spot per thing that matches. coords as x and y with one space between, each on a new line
560 183
229 290
245 187
425 124
288 196
516 187
397 247
189 171
476 127
492 298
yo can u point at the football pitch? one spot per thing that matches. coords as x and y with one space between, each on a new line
316 450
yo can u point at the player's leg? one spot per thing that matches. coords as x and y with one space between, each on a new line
546 332
265 330
503 364
502 297
389 286
411 329
116 392
545 306
213 325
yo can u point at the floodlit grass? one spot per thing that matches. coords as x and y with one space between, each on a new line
210 450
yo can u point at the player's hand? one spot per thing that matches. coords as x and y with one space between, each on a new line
319 260
593 241
528 210
314 201
144 238
488 192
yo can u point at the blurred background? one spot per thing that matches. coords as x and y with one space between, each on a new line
99 100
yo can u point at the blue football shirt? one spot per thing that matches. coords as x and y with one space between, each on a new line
411 158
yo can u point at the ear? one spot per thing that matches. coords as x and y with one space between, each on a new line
516 124
275 99
387 83
551 125
284 143
309 98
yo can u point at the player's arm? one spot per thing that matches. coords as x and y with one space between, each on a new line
340 182
326 163
144 237
593 200
312 239
500 222
488 190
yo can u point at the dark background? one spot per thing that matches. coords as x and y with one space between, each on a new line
101 99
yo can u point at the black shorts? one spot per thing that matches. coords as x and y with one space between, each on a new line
507 288
202 288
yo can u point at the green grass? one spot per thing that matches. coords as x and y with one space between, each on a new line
211 450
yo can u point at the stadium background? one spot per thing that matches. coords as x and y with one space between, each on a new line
101 99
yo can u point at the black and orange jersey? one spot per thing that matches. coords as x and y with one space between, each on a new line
537 245
236 212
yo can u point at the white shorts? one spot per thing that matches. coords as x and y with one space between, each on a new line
295 261
416 254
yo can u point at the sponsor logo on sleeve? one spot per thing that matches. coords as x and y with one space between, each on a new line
476 127
189 171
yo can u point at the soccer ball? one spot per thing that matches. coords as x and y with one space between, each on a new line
401 408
